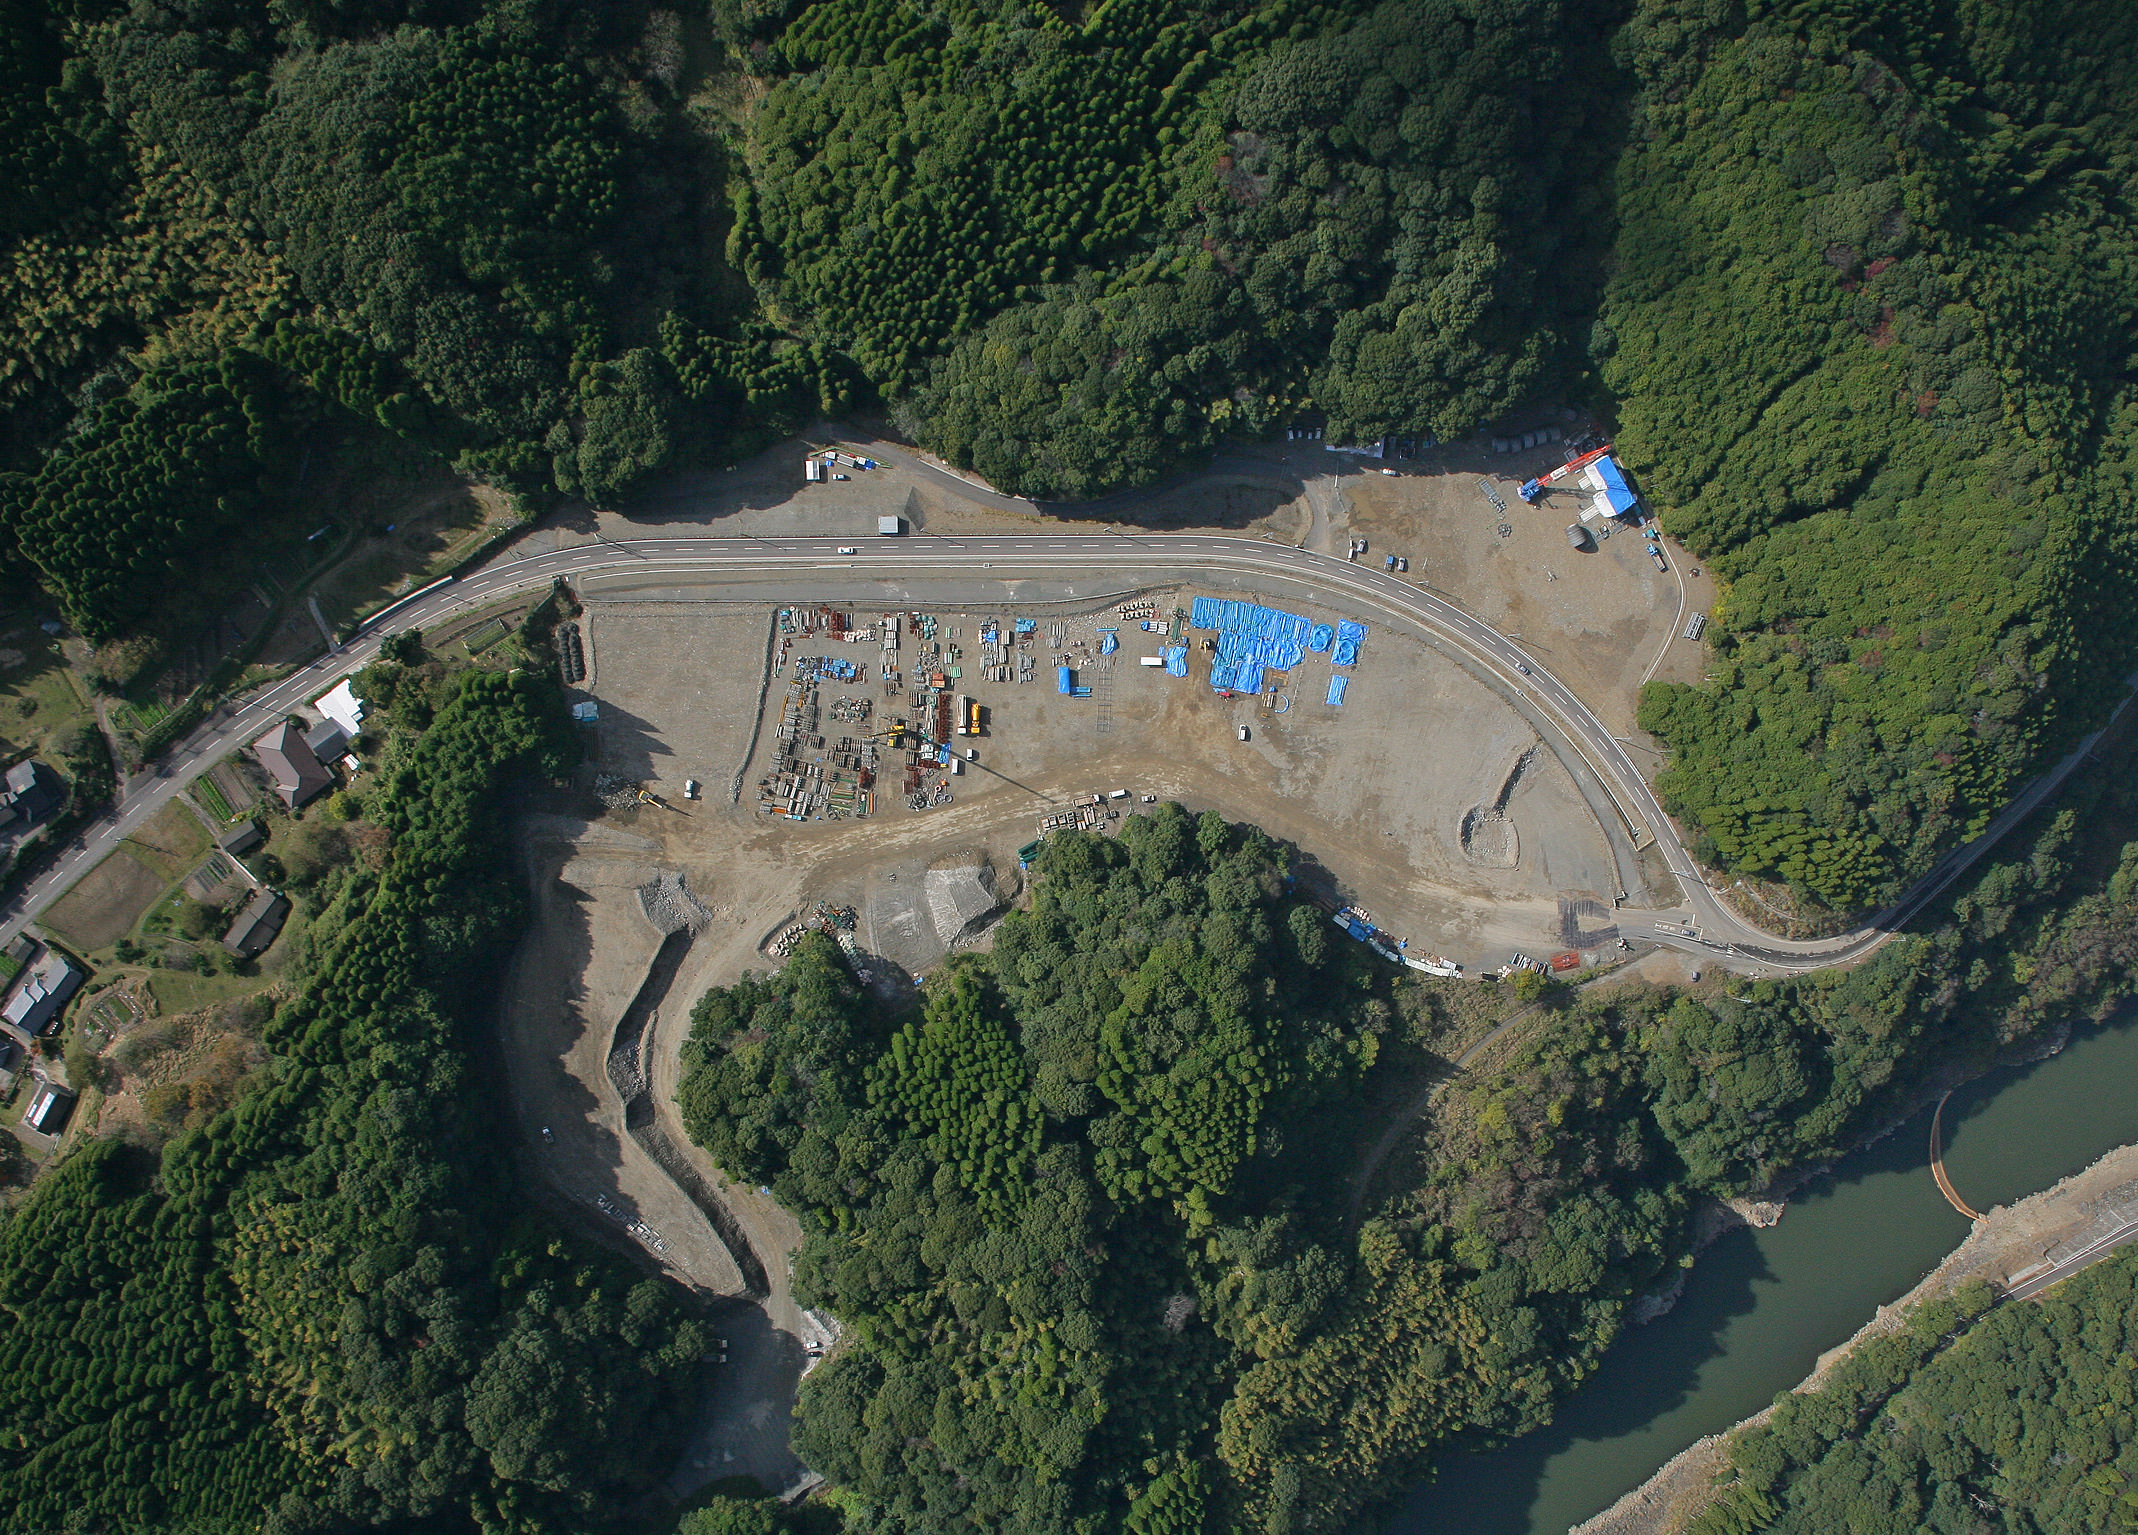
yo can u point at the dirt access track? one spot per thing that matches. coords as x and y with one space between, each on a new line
1432 796
1427 796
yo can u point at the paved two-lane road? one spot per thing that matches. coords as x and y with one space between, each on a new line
980 566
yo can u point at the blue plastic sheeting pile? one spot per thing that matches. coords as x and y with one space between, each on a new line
1108 644
1251 639
1348 635
1176 660
1318 641
1027 625
1336 689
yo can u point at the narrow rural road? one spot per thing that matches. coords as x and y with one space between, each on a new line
984 568
2093 1253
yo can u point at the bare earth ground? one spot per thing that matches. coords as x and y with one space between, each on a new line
1600 620
677 688
1597 618
2004 1243
110 899
1374 794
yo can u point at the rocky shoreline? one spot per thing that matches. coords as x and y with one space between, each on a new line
2007 1241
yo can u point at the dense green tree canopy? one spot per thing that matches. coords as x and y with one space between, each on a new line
325 1308
1872 351
1970 1418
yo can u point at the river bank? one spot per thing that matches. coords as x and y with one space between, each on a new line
2007 1242
1764 1303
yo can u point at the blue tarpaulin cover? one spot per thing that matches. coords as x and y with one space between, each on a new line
1250 635
1249 679
1318 641
1176 660
1616 493
1336 689
1221 675
1345 654
1108 644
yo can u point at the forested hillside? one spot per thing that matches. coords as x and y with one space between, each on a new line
1173 223
1084 1214
1873 334
326 1307
2024 1415
1855 280
1081 1217
482 228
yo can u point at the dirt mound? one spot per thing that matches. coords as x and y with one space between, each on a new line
669 904
960 889
1489 838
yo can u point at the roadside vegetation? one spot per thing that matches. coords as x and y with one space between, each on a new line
321 1304
1965 1411
1084 1213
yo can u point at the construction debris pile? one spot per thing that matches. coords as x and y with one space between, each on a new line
825 917
618 793
669 904
1085 814
1355 921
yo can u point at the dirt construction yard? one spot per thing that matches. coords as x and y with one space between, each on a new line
1598 617
1424 796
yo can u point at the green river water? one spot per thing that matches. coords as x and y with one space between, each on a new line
1761 1306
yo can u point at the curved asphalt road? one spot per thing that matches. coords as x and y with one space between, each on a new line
1704 925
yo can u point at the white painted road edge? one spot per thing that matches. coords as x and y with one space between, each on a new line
1705 927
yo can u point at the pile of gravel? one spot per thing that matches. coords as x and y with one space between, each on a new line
616 793
669 904
960 889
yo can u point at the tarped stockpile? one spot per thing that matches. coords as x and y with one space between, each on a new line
1176 660
1107 643
1318 641
1336 689
1251 639
1348 635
